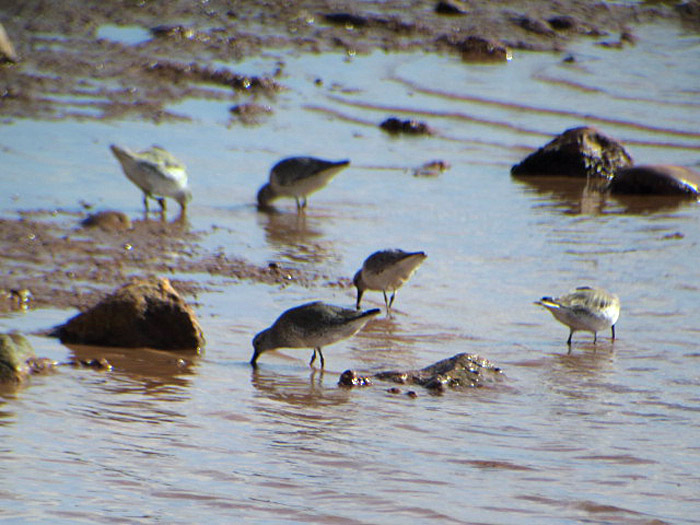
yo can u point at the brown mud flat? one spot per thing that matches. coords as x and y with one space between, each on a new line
61 57
50 260
64 71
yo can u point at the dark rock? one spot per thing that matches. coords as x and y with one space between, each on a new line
410 127
350 378
478 49
108 220
431 169
18 361
461 370
534 25
578 152
144 313
98 364
562 23
346 19
447 7
658 179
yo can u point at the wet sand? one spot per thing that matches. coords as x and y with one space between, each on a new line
91 76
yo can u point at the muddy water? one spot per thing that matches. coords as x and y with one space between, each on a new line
606 434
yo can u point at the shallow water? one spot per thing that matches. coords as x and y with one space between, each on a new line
608 433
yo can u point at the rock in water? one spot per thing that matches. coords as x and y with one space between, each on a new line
144 313
18 361
578 152
658 179
15 350
461 370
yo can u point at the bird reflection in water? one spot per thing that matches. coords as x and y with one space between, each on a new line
299 389
294 236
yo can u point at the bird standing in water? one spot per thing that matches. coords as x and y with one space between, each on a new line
298 177
157 173
585 308
311 325
386 271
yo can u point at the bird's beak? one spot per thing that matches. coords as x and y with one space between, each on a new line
254 359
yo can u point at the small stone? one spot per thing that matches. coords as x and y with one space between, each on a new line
449 7
431 169
411 127
350 378
478 49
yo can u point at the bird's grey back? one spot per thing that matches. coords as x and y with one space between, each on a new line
293 169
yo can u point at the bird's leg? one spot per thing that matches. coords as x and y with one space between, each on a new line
303 203
595 337
612 329
359 299
386 303
313 358
323 361
393 296
568 341
145 202
298 204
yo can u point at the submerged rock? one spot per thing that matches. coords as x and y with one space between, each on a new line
458 371
144 313
659 179
412 127
578 152
18 361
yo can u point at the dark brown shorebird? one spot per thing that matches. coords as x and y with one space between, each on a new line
298 177
311 325
386 271
585 309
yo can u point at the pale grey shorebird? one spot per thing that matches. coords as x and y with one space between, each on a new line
585 309
157 173
311 325
298 177
386 271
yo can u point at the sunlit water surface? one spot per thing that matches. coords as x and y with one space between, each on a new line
609 433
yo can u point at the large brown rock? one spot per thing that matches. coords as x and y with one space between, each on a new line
659 179
578 152
144 313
